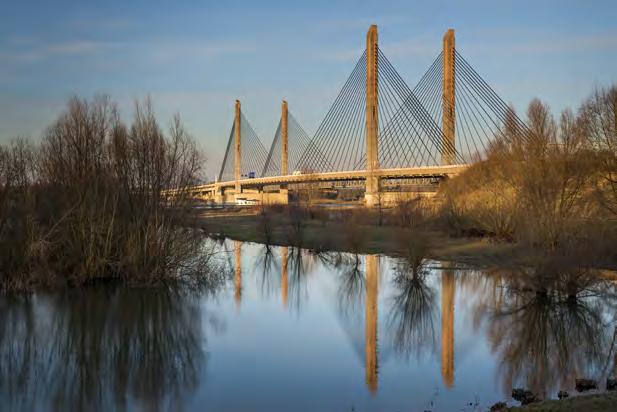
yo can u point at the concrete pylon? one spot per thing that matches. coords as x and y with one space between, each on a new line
371 122
370 325
448 287
237 146
448 121
284 151
284 140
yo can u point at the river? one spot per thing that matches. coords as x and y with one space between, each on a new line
291 330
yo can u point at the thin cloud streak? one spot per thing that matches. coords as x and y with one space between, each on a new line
28 50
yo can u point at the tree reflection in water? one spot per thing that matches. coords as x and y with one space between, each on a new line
547 335
352 282
413 311
93 348
299 264
268 269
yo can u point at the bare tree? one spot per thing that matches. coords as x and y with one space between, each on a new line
599 116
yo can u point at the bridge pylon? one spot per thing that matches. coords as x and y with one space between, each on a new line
284 140
237 152
284 149
371 195
448 147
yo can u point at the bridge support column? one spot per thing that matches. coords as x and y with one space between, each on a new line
238 153
284 146
219 195
448 121
371 196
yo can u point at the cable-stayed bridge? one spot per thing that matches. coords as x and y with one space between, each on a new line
377 131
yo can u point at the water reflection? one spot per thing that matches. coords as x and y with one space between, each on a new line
370 339
266 267
144 348
90 349
300 263
238 273
448 288
284 275
413 310
351 281
546 339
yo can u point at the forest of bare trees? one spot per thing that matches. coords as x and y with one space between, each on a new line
85 203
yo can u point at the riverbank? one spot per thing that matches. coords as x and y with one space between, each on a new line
357 237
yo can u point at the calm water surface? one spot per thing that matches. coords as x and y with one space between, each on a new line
292 330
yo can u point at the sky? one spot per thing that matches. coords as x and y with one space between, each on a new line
196 57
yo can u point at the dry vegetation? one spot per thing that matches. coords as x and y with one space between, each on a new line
552 189
85 203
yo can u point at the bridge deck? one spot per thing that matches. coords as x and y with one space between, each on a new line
411 172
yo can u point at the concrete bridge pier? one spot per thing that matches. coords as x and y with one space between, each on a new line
221 196
371 196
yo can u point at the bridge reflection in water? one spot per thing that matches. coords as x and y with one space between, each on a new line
238 273
412 316
448 285
371 307
371 280
284 274
149 348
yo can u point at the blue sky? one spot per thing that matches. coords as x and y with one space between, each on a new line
197 57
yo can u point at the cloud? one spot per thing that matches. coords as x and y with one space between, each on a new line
28 50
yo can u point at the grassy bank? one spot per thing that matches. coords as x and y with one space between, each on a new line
247 225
